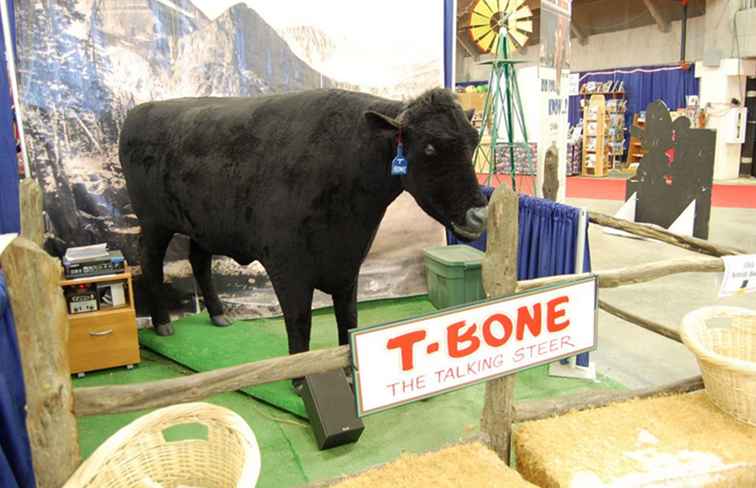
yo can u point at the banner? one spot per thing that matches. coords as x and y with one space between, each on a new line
554 74
82 64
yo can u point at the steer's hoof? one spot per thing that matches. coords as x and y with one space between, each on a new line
164 329
220 320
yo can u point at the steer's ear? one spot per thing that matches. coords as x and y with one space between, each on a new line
380 122
470 114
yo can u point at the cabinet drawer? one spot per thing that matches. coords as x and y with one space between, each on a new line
102 339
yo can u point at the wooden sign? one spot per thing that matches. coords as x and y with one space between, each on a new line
405 361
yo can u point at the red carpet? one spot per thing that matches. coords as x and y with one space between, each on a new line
732 196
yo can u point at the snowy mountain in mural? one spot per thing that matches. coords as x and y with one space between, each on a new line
337 59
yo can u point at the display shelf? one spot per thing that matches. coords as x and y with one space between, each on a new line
594 135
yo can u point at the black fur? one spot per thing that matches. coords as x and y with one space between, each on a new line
299 182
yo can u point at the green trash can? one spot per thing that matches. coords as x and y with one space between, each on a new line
453 275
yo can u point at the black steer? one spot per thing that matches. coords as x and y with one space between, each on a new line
299 182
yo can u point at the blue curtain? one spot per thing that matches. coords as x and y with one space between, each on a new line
547 241
643 85
15 455
547 238
449 38
9 213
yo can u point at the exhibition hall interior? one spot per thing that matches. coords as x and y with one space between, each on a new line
377 244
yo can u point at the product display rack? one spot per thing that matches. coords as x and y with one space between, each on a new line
594 136
597 162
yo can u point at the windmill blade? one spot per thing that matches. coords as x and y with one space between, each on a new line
518 37
483 42
492 45
488 5
478 32
483 9
523 13
473 26
479 38
523 25
514 5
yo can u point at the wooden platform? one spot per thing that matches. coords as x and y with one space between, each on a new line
680 440
461 466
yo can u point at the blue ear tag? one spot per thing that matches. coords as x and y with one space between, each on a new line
399 164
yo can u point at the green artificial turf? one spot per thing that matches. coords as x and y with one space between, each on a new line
289 453
200 346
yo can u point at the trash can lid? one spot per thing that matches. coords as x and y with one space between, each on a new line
455 255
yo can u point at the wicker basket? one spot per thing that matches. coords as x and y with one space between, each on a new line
223 455
724 342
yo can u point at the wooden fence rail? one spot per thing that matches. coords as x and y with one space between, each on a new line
660 234
631 275
665 330
127 398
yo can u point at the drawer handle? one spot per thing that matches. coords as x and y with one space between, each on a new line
101 333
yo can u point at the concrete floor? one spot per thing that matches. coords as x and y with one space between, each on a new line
629 354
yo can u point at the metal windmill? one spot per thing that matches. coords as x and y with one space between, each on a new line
501 27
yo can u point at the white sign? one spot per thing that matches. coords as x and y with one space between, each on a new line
574 86
405 361
739 275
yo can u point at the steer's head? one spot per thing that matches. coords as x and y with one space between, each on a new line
439 142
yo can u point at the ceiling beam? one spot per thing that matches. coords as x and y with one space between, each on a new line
580 32
661 20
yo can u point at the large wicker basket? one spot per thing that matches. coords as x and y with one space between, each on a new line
223 455
724 342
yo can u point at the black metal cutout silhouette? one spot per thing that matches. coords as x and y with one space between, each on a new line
677 169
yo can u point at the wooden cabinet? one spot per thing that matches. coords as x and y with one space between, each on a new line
107 337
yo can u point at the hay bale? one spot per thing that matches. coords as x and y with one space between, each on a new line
464 465
680 440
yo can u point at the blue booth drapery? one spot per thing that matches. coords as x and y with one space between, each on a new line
16 469
9 211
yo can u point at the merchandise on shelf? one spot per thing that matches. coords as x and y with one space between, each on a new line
525 160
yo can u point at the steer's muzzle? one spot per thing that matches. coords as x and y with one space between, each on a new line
475 223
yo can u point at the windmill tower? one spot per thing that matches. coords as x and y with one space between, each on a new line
500 27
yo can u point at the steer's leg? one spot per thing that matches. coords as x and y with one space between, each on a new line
295 298
345 307
201 266
154 242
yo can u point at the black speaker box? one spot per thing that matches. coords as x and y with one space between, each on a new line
330 404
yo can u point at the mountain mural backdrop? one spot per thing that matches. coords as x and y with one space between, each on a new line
82 64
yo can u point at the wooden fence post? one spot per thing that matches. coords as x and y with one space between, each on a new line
31 206
39 312
499 270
